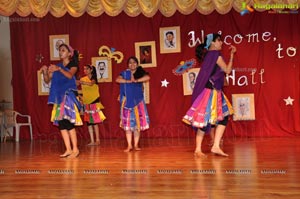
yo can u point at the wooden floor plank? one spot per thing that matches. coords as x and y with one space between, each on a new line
165 168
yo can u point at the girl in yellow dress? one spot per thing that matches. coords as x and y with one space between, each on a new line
92 105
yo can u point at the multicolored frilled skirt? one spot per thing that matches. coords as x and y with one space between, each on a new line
67 110
135 118
210 106
93 113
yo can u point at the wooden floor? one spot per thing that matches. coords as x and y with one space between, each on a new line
165 168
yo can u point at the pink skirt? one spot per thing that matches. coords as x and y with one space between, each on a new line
209 107
135 118
93 113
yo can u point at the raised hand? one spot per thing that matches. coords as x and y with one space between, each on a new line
44 69
53 68
233 49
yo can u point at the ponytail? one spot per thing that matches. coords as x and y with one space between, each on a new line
201 52
75 58
94 74
202 48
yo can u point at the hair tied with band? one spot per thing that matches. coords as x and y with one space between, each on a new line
209 39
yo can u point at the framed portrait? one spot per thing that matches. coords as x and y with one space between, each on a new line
55 41
146 53
103 68
169 38
189 80
146 88
43 87
243 106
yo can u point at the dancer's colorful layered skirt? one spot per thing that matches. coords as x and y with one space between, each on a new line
67 109
93 113
209 107
135 118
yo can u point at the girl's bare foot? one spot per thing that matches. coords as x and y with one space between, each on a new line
74 154
92 144
97 143
66 154
218 151
137 148
199 154
128 149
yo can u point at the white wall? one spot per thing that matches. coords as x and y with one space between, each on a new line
5 62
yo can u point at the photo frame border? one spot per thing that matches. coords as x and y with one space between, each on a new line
51 38
137 46
146 86
187 91
162 38
235 97
40 90
109 68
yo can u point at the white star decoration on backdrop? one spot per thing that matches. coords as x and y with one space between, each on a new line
288 101
164 83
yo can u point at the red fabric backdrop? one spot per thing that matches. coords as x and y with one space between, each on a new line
279 77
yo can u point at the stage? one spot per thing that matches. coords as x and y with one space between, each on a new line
165 168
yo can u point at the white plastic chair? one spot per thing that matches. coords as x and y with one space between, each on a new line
12 120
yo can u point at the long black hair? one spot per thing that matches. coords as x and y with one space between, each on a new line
93 72
201 50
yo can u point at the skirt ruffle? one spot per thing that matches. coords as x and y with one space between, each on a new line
135 118
93 113
67 110
209 107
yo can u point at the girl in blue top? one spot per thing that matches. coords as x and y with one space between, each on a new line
134 116
62 95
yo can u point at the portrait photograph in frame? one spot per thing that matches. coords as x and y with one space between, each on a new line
243 106
146 53
146 90
103 68
169 38
55 41
43 87
189 80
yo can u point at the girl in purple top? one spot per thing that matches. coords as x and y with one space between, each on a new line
209 104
